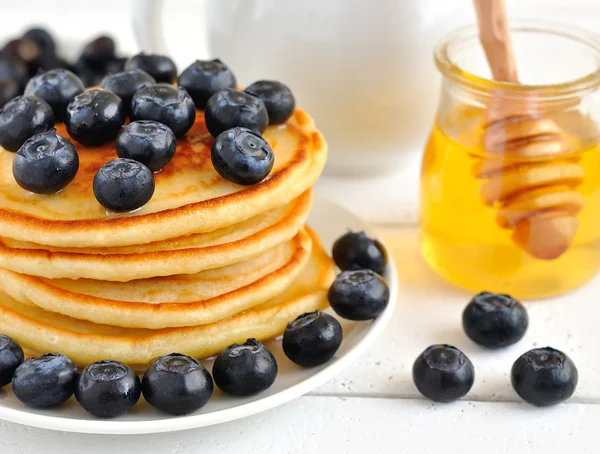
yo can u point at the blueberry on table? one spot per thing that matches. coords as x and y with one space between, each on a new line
46 163
355 250
160 67
166 104
177 384
99 51
123 185
229 108
149 142
242 156
11 356
42 38
278 98
245 369
57 87
204 78
21 118
46 381
359 295
443 373
494 320
107 389
544 376
125 84
312 339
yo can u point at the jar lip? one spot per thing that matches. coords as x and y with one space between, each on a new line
548 91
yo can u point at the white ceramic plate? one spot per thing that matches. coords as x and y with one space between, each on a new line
330 221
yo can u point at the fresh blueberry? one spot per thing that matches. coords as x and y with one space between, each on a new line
107 389
21 118
11 356
245 369
123 185
229 108
9 89
160 67
355 250
359 295
443 373
46 381
494 320
116 65
177 384
57 87
46 163
25 51
242 156
202 79
43 39
125 84
166 104
278 99
14 71
312 339
90 74
95 117
99 51
544 376
149 142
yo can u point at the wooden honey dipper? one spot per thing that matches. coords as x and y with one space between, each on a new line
529 174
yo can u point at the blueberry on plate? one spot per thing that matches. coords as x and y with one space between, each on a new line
57 87
242 156
149 142
160 67
443 373
202 79
46 163
21 118
99 51
177 384
123 185
166 104
95 117
312 339
46 381
107 389
245 369
229 108
355 250
125 84
359 295
494 320
11 356
43 39
278 99
544 376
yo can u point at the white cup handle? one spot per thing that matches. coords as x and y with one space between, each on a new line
147 26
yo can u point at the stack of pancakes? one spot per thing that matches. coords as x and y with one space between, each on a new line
204 264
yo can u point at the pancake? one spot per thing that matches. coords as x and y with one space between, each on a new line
187 255
171 301
190 196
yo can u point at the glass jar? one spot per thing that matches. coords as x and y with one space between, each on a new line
510 182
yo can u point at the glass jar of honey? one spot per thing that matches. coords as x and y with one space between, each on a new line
510 182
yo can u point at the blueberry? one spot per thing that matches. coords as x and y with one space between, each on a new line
99 51
494 321
11 356
278 99
443 373
242 156
125 84
544 376
90 74
229 108
46 381
95 117
355 250
57 87
123 185
107 389
202 79
46 163
359 295
43 39
177 384
15 71
21 118
149 142
166 104
245 369
25 51
160 67
312 339
9 89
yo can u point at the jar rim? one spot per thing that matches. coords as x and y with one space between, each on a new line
484 85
